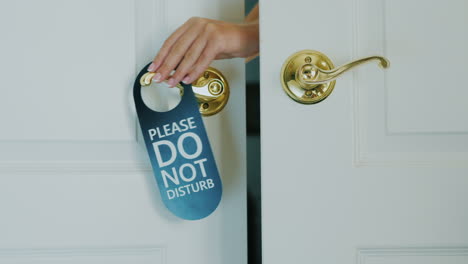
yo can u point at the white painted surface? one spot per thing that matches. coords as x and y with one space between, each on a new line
383 162
428 255
75 182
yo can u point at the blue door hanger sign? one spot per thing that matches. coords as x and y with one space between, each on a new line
180 154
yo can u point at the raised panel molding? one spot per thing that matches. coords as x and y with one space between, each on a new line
413 255
76 167
95 156
137 255
375 143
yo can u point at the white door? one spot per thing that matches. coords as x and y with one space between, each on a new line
377 173
76 185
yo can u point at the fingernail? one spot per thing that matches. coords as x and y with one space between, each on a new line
152 67
186 80
157 77
171 82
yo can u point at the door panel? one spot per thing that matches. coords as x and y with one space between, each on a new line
417 107
75 181
60 37
436 39
375 173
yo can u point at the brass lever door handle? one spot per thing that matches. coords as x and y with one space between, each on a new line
308 76
211 90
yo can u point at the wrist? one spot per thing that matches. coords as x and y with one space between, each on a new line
248 35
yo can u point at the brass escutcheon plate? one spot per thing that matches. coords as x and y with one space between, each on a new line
299 91
211 90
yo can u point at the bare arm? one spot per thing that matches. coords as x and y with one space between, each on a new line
199 41
252 17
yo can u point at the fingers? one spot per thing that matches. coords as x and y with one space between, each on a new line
188 62
177 52
163 52
207 56
190 49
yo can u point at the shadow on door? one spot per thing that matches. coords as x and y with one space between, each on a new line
253 156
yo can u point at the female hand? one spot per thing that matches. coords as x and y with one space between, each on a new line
199 41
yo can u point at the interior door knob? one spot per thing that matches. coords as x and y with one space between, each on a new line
308 76
211 90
